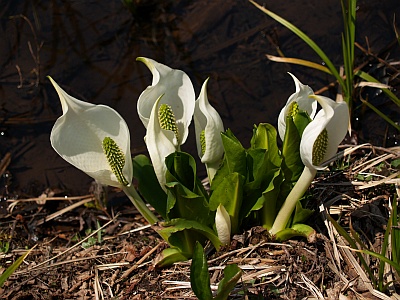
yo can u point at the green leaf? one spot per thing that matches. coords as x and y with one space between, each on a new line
181 167
199 276
395 163
300 230
170 256
265 137
229 193
232 274
180 225
395 265
292 166
187 198
234 158
301 214
148 184
269 200
11 269
182 203
381 114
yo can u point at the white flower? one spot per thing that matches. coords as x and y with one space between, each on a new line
159 143
223 225
93 138
323 135
302 99
177 91
208 127
319 143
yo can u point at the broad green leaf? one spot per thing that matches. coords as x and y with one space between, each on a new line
187 198
182 203
232 274
269 200
292 165
11 269
261 169
301 214
199 276
170 256
265 137
235 154
301 120
181 167
148 184
296 230
179 225
229 193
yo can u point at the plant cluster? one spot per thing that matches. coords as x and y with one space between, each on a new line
261 185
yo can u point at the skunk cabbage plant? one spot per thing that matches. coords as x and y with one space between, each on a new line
96 140
166 109
208 127
319 143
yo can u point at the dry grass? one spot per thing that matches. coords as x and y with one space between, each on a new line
119 262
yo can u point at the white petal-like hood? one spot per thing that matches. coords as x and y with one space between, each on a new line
177 91
334 117
301 96
223 225
78 134
159 144
207 118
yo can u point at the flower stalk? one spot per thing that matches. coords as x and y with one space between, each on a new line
301 186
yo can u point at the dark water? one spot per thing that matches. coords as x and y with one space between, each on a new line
89 48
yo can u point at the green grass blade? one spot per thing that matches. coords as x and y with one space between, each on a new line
395 233
353 245
306 39
382 258
348 40
381 114
381 270
11 269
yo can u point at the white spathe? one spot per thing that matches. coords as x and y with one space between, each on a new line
305 103
207 118
78 134
223 225
334 117
159 143
177 91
